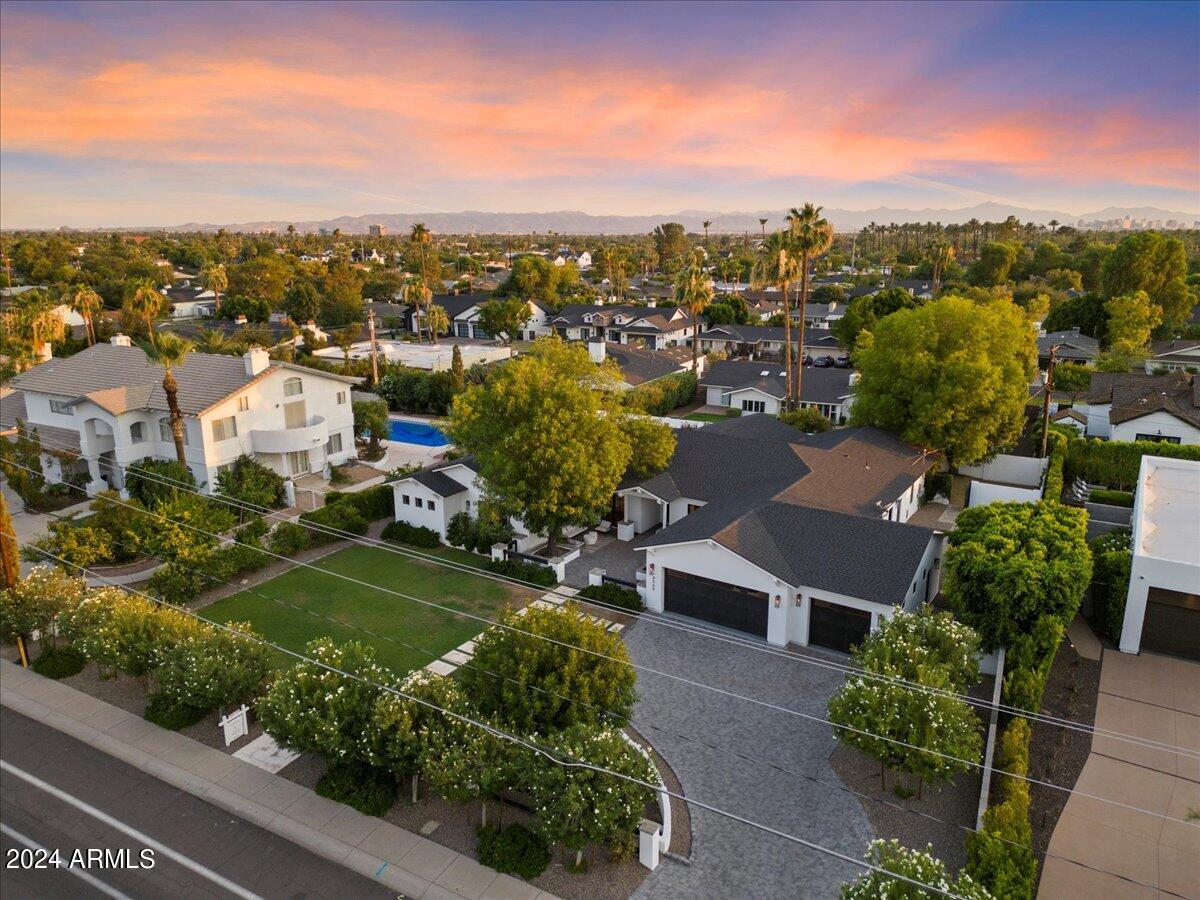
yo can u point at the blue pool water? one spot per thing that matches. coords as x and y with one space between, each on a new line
416 433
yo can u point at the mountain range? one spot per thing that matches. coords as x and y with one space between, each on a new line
577 222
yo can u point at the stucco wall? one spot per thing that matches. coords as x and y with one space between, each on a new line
1159 423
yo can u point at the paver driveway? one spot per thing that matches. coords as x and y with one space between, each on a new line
732 860
1109 851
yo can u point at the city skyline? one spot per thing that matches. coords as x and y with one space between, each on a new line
159 115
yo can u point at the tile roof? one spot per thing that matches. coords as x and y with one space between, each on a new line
12 410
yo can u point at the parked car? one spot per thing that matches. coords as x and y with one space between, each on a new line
842 362
823 362
808 360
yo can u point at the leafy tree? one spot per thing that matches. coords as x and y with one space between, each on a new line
314 708
670 243
1072 377
545 454
918 865
1089 263
458 374
153 481
995 262
550 669
10 567
578 806
829 293
504 319
1132 318
342 303
370 421
1009 564
693 292
35 602
124 631
21 463
808 419
951 375
1064 280
302 303
250 482
1087 313
652 445
252 309
261 277
170 351
908 645
213 667
1149 262
864 312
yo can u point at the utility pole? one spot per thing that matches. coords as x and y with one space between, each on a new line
374 349
1049 389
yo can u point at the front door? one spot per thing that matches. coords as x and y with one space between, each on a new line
297 462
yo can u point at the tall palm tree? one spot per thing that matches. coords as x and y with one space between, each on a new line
940 255
169 350
438 321
812 235
706 225
763 224
420 238
87 303
693 292
215 279
779 266
142 306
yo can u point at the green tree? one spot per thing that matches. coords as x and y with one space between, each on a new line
342 303
214 278
995 262
908 645
545 453
652 445
951 375
779 265
142 307
437 320
1132 318
670 243
504 319
29 328
1087 313
457 372
1064 280
213 667
34 603
549 669
1009 564
170 351
1149 262
918 865
370 421
808 420
301 302
10 566
812 235
260 277
693 292
85 301
249 482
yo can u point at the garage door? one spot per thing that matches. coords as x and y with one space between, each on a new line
716 601
837 627
1172 623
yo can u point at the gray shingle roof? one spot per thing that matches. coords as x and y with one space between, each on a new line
438 482
817 385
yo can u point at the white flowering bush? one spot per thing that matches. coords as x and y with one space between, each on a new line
212 667
313 709
35 602
124 631
919 865
577 806
911 646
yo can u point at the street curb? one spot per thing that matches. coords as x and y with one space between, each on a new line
151 749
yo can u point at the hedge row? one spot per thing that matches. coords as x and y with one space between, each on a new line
403 533
523 571
177 582
1111 562
338 517
1111 498
614 595
660 396
1056 445
1116 463
372 504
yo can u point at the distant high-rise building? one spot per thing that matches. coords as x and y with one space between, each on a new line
376 230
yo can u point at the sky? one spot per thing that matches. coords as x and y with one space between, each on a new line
159 114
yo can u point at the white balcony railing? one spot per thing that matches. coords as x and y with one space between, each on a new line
288 440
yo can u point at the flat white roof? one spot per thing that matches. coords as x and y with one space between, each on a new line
1167 522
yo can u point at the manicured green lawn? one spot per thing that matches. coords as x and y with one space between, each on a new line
705 417
433 630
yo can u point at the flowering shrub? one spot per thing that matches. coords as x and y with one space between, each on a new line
212 667
35 602
919 865
124 631
909 644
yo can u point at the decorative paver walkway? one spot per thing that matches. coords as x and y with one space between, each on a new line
1102 850
411 865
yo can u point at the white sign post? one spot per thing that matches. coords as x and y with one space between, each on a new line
236 724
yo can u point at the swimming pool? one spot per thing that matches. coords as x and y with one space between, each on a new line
416 433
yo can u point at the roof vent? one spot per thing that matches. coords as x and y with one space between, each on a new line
121 340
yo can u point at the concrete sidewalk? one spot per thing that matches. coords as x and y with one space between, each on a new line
407 863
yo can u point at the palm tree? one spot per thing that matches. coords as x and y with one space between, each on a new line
87 303
209 340
940 255
422 298
142 306
169 350
438 321
693 292
214 278
811 236
706 225
763 224
30 327
779 266
1054 223
420 238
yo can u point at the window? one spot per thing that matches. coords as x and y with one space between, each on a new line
754 406
420 503
292 387
406 500
62 407
224 429
1160 438
341 398
334 444
137 432
165 434
431 504
243 404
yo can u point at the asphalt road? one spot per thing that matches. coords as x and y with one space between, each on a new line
218 854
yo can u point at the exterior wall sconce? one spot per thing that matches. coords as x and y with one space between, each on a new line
778 601
799 600
651 568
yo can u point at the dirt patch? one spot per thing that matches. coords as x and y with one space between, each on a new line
940 815
456 829
1056 754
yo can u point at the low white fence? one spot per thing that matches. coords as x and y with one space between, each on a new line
662 838
1017 471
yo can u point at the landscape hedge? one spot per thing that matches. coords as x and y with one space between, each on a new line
523 571
660 396
1116 463
288 539
336 516
418 536
514 850
1111 562
1111 498
1000 856
372 504
1056 447
614 595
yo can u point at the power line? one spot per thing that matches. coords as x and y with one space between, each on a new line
671 676
548 753
696 630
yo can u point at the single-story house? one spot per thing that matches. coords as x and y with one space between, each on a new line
1072 347
189 301
1162 607
639 365
761 387
1174 356
758 341
1135 407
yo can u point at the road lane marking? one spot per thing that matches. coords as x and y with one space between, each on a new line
188 863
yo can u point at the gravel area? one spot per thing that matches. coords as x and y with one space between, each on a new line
1057 755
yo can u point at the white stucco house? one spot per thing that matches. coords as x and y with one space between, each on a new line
642 326
758 386
793 538
1137 407
1162 608
104 408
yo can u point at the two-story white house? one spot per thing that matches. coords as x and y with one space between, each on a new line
105 408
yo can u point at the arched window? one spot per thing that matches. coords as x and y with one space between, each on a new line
292 387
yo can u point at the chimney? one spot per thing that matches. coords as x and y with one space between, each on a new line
651 302
120 340
256 360
597 351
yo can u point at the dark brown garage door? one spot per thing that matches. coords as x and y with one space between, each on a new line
716 601
837 627
1172 623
